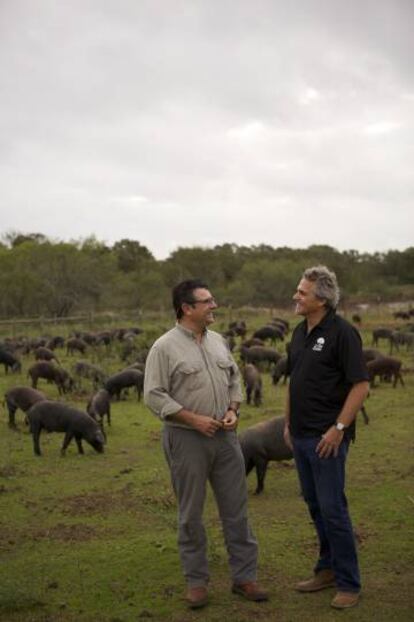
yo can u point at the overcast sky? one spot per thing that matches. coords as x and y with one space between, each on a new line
200 122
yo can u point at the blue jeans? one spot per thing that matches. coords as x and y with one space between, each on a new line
323 481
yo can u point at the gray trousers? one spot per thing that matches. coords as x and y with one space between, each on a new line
193 459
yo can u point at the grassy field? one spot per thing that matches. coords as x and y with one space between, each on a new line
93 537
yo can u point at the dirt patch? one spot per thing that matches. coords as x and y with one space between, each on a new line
362 533
61 532
5 489
8 470
67 533
119 501
164 500
8 539
99 503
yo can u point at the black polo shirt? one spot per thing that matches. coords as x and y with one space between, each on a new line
323 366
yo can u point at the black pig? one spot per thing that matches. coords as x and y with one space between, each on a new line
45 369
23 398
125 378
260 444
100 405
8 359
253 383
58 417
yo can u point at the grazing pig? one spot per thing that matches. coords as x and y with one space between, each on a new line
10 360
139 366
271 332
258 354
280 320
381 333
76 344
239 328
127 350
33 343
279 370
253 383
253 341
370 354
100 405
387 366
23 398
84 369
279 325
58 417
128 336
400 338
260 444
122 380
45 354
88 337
402 315
12 344
103 338
55 342
45 369
136 330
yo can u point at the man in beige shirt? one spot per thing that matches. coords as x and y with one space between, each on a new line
193 385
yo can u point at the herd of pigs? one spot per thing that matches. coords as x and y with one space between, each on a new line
260 443
57 416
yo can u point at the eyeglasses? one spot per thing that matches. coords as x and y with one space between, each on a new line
206 301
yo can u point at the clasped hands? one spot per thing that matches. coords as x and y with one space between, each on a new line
209 426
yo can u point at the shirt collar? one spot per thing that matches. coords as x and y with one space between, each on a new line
327 319
187 332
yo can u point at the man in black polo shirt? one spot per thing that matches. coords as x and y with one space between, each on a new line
328 384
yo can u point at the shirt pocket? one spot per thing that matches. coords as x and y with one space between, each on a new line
225 370
190 376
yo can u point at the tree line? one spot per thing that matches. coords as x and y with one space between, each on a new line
44 277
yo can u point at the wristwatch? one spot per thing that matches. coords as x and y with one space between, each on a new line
340 426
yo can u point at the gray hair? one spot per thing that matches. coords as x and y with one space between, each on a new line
326 285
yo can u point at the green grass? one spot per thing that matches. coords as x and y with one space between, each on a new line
93 537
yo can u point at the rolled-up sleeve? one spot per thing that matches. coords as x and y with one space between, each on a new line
157 385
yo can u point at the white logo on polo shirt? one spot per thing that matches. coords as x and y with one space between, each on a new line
319 343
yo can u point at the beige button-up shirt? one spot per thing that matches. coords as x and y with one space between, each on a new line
182 373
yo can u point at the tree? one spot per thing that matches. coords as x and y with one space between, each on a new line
399 266
195 262
53 278
39 276
266 283
15 238
131 255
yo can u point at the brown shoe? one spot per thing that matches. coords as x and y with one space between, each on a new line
197 597
320 581
250 590
344 600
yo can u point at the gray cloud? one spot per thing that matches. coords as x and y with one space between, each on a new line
195 122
